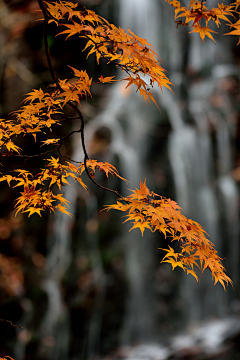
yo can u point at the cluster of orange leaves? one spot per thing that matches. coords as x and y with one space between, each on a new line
38 115
41 112
198 16
129 52
39 191
148 210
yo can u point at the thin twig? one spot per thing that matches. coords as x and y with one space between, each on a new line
9 322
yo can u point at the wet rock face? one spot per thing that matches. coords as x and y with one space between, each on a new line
215 340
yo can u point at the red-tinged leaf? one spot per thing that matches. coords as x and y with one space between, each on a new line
106 79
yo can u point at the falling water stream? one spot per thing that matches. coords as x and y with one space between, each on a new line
204 188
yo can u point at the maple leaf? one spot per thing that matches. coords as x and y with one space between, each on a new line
9 178
203 31
63 209
54 10
71 96
135 216
72 29
106 79
219 277
117 206
174 3
82 75
76 28
142 225
170 253
50 141
33 210
147 95
104 167
61 199
236 31
175 263
54 162
143 189
197 11
220 13
192 273
11 146
35 94
189 260
237 2
93 17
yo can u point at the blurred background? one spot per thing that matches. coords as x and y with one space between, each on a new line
84 287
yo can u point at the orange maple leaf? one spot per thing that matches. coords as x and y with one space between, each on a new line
142 225
203 31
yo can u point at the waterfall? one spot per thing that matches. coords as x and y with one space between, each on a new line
54 329
207 195
137 18
139 317
201 166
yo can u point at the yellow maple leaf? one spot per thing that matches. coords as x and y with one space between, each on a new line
8 178
141 225
33 210
11 146
170 253
63 209
192 272
35 94
50 141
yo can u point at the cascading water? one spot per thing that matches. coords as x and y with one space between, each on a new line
201 167
138 317
207 195
54 330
